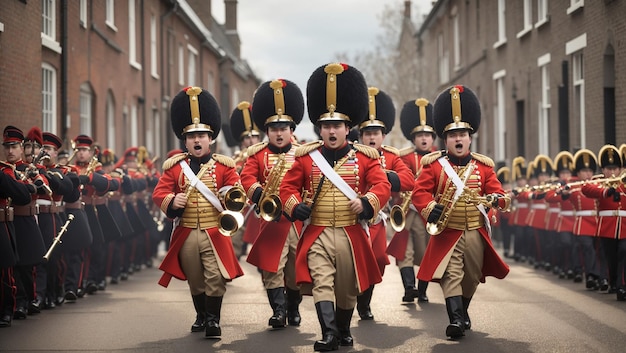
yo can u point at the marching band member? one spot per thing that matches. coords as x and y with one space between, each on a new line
188 190
446 193
334 259
521 208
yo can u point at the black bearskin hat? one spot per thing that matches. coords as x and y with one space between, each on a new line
195 110
278 101
382 112
416 116
609 156
456 108
241 123
584 158
563 160
542 165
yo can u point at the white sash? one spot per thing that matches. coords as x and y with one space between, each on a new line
203 189
460 186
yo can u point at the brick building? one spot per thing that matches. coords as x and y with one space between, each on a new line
549 73
109 68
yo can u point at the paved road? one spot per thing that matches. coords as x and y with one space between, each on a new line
529 311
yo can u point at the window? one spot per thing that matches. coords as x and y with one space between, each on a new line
153 47
528 18
83 13
210 85
544 104
181 65
48 26
110 14
578 81
500 114
85 110
191 67
501 24
49 98
575 5
456 38
442 54
132 36
110 116
133 125
542 12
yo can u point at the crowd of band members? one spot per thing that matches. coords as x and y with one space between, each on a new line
99 207
567 216
314 245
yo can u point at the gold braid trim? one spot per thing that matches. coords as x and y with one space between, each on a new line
292 202
173 160
308 147
426 210
252 189
374 202
254 149
391 149
166 202
406 150
483 159
367 150
431 157
225 160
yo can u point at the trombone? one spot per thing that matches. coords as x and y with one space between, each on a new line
57 239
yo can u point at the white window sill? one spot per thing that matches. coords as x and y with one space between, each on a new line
111 26
135 65
499 43
542 22
1 27
524 32
51 44
155 76
575 8
458 68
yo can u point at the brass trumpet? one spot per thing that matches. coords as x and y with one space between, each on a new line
57 239
270 206
231 219
607 182
397 215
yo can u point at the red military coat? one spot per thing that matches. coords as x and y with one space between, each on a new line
172 182
611 213
271 237
586 211
397 245
370 181
565 218
428 185
536 216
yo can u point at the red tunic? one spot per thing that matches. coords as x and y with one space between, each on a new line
611 213
171 183
586 211
370 181
426 186
271 236
565 218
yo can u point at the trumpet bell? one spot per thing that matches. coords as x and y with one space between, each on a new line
397 218
433 228
235 199
270 208
229 222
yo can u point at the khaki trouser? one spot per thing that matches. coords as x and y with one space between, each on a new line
464 270
199 263
286 273
331 266
418 240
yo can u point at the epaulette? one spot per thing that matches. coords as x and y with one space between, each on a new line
308 147
225 160
391 149
431 157
406 150
483 159
173 160
254 149
367 150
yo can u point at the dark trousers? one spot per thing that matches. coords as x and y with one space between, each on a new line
25 283
7 291
584 255
74 273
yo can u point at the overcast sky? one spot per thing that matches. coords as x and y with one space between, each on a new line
290 39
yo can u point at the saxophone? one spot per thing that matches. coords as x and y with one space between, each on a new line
270 206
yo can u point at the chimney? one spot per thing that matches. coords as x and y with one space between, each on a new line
230 25
407 9
202 8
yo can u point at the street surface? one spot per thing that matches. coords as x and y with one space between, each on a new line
529 311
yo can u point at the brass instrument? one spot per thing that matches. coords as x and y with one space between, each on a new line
270 206
607 182
397 215
231 219
449 201
57 239
74 150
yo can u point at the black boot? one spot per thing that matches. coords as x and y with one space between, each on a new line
421 291
454 306
363 304
276 297
408 280
214 307
294 298
199 303
326 316
466 319
344 316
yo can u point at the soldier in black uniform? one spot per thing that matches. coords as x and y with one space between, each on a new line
18 193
